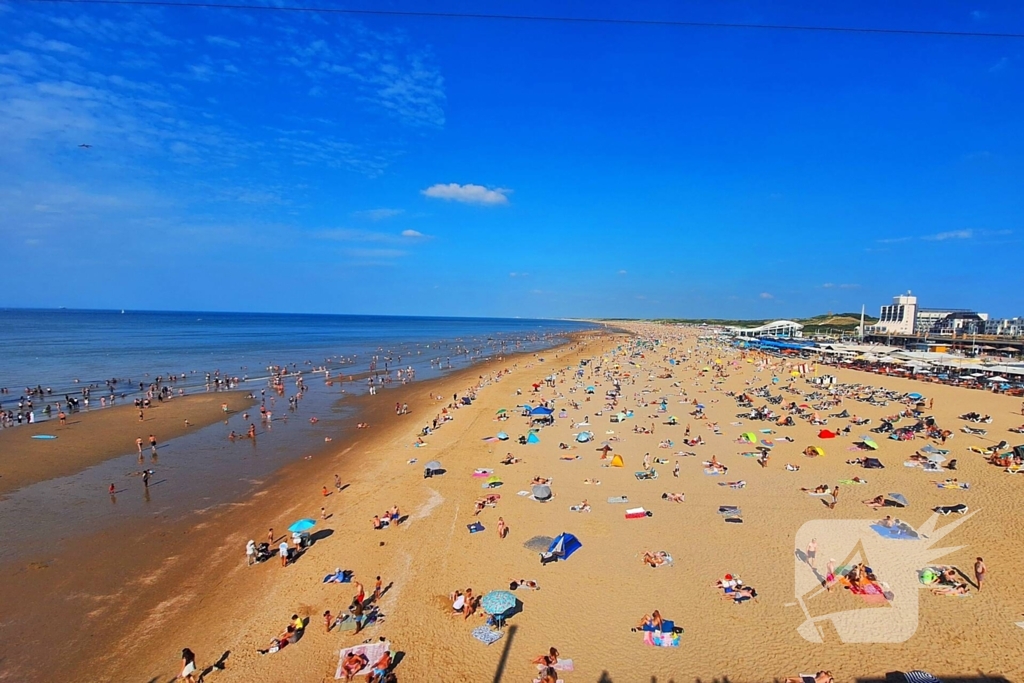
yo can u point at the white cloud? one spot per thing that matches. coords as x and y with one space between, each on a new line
951 235
468 194
414 234
378 214
849 286
622 272
515 274
766 295
894 240
221 41
827 285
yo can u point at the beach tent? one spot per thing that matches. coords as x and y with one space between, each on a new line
541 410
502 436
584 437
873 464
564 545
533 438
493 481
868 442
617 461
825 434
814 451
542 492
590 390
749 437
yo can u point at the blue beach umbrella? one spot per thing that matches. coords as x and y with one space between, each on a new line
302 525
498 602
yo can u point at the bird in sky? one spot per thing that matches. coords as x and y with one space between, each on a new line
85 146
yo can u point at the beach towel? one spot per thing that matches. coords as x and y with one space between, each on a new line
851 482
729 510
372 651
522 493
486 635
943 485
734 520
646 476
339 577
475 527
711 472
482 472
894 533
618 499
661 639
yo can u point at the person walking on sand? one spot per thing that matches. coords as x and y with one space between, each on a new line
282 550
835 497
145 477
979 572
502 529
152 444
812 552
675 470
188 666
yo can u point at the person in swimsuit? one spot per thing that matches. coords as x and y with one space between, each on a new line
380 668
188 666
979 572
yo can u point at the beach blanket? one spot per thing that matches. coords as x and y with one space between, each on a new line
851 482
943 485
486 635
482 472
894 533
372 651
475 527
661 639
644 476
729 510
618 499
711 472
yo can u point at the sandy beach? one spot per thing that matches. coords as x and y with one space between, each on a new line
189 584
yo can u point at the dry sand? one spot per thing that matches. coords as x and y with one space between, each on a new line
192 587
90 437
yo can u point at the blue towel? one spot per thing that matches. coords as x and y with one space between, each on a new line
886 532
486 636
666 626
475 527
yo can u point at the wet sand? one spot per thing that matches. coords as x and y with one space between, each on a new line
90 437
189 585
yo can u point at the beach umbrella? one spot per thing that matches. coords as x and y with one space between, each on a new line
870 443
817 450
915 396
542 492
748 437
497 602
700 406
899 499
936 458
919 677
493 480
433 465
302 525
502 436
501 411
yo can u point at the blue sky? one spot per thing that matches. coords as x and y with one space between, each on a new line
273 161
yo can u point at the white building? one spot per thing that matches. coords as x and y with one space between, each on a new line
947 320
1006 327
897 318
778 328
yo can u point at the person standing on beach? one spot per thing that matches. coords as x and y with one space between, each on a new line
812 552
152 444
138 444
145 477
282 550
835 497
979 572
188 666
337 482
270 536
675 470
377 590
502 529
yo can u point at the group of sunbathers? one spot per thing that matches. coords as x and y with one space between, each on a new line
354 662
383 521
733 589
488 501
656 559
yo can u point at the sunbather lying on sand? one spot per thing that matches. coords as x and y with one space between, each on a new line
740 594
529 584
820 488
541 480
509 460
820 677
674 497
288 636
958 588
792 468
655 559
876 502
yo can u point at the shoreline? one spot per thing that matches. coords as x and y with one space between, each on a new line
86 438
164 558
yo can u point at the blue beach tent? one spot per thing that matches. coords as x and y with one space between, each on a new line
564 545
532 438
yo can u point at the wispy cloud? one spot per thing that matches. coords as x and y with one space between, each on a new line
378 214
221 41
950 235
622 272
468 194
894 240
766 295
414 235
